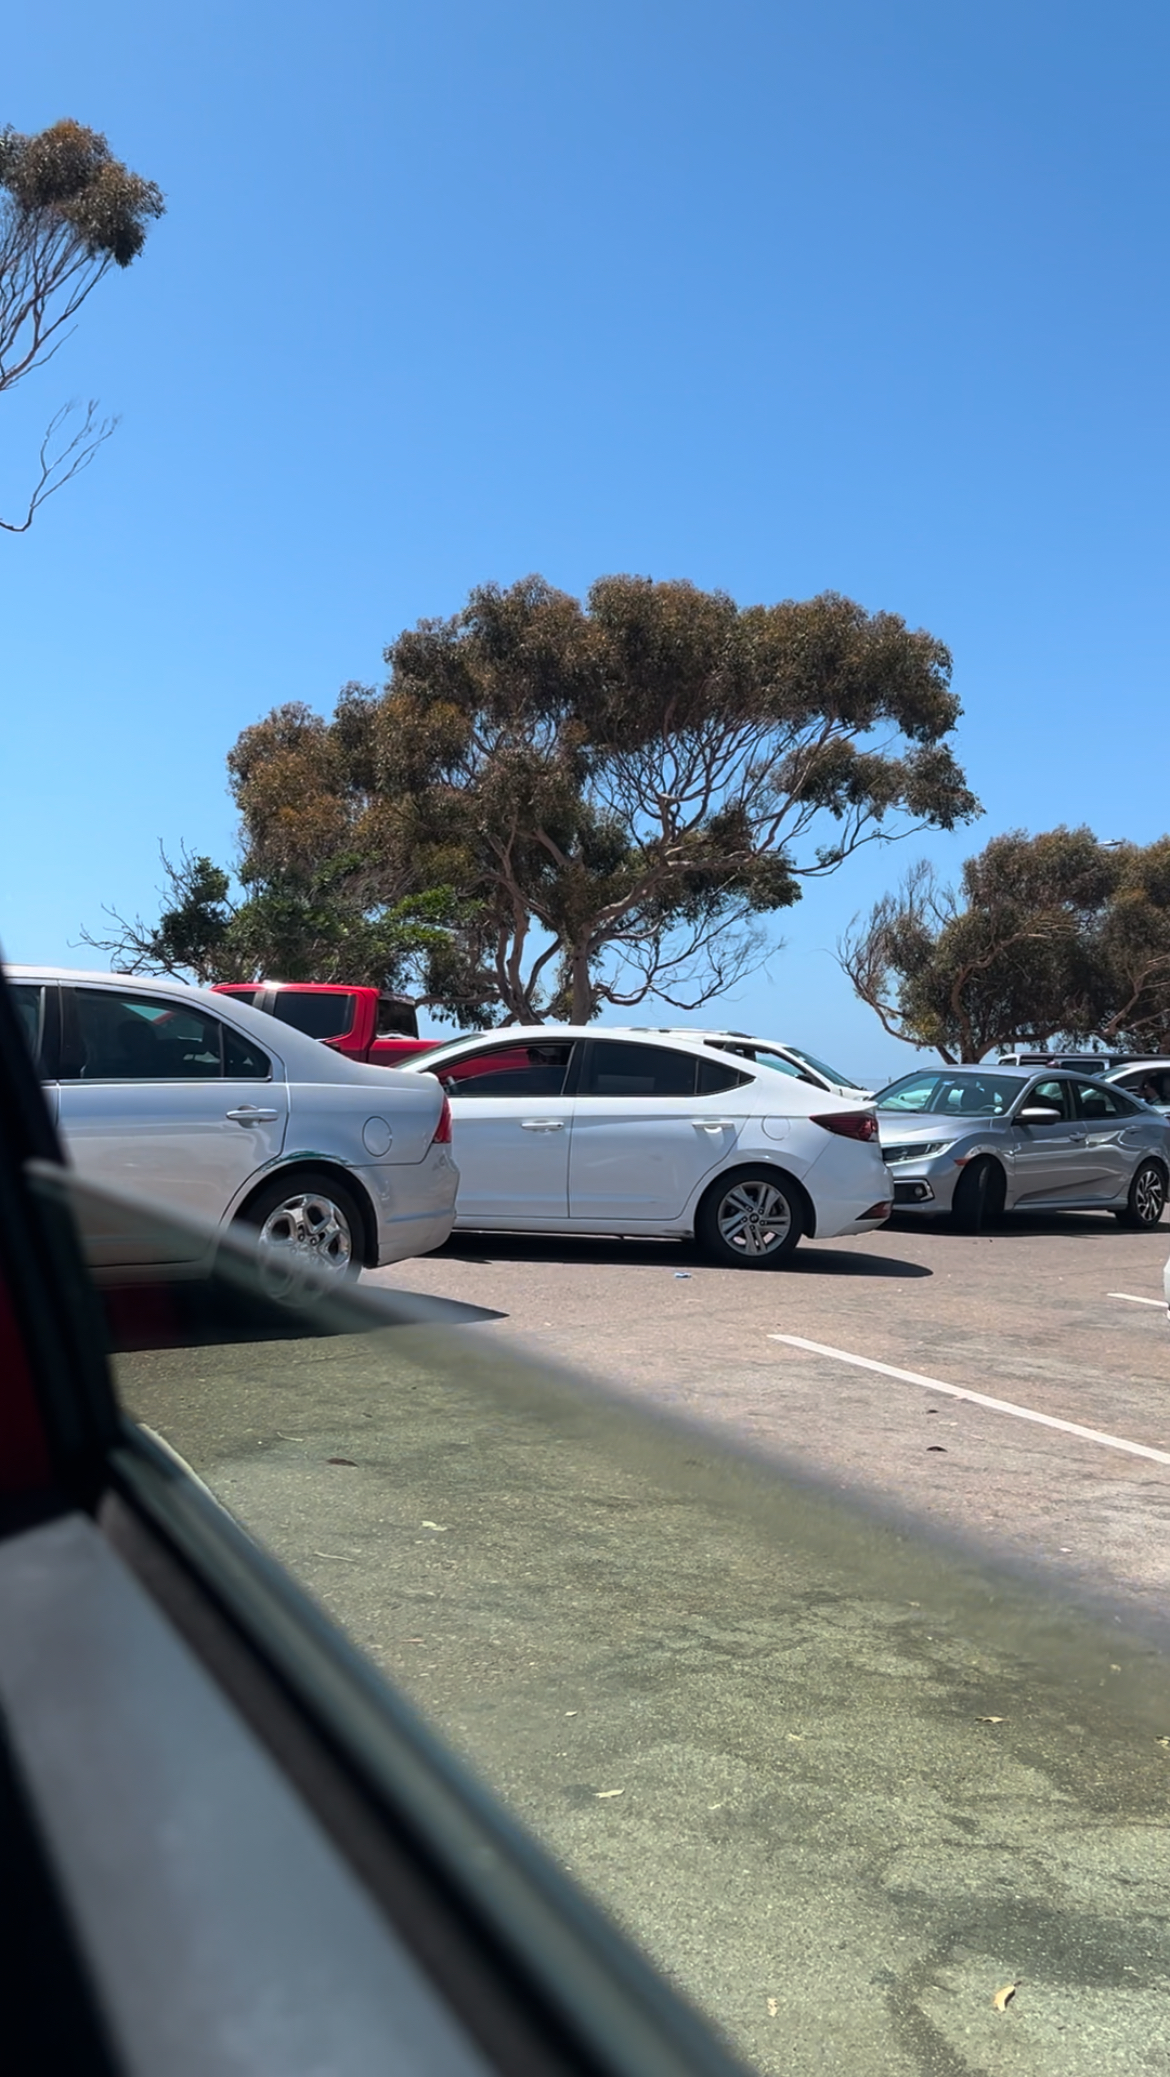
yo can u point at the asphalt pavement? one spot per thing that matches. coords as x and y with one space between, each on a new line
847 1696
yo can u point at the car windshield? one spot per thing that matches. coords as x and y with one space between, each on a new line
945 1094
831 1074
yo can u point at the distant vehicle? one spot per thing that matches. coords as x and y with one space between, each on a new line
774 1053
1096 1063
1149 1081
363 1023
210 1108
976 1142
597 1129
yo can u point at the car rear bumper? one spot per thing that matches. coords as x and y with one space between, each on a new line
414 1204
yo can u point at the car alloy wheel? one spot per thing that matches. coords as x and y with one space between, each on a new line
1147 1197
303 1225
750 1220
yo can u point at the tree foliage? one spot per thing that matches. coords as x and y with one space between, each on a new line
621 791
290 927
69 211
1049 937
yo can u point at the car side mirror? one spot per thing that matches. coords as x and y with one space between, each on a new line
1038 1114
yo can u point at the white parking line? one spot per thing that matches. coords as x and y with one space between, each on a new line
1133 1299
999 1406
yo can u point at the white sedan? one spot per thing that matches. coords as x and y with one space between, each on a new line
581 1129
202 1106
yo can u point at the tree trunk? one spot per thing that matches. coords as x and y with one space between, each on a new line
583 1003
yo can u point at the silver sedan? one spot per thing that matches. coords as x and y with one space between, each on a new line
975 1142
198 1105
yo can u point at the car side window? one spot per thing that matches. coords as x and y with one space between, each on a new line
29 1000
715 1077
1097 1100
623 1067
1152 1085
111 1036
243 1061
1050 1096
527 1070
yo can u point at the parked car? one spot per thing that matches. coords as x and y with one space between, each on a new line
576 1129
208 1106
1098 1062
363 1023
975 1142
1149 1081
779 1056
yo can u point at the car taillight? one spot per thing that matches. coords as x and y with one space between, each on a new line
850 1124
442 1136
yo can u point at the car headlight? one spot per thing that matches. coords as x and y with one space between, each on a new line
919 1152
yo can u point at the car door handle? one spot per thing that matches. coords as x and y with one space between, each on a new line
542 1124
250 1114
1076 1138
713 1124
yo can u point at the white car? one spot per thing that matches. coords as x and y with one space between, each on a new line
1149 1080
203 1106
777 1054
581 1129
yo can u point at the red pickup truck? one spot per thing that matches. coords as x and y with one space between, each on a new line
363 1023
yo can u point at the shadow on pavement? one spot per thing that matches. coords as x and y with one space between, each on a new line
681 1256
1019 1225
204 1315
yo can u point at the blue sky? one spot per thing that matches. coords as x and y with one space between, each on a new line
777 298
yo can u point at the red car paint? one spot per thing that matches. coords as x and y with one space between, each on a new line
363 1023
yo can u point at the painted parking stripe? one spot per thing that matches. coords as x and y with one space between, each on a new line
1132 1299
998 1406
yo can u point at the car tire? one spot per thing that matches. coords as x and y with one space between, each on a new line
750 1219
305 1220
1146 1201
980 1195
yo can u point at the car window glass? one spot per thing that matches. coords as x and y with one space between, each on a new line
116 1037
1151 1085
778 1062
1098 1100
1049 1096
714 1078
242 1060
318 1016
963 1095
395 1019
527 1070
29 1000
623 1067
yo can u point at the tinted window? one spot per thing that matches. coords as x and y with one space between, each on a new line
29 999
1152 1085
396 1019
318 1016
1098 1100
714 1078
244 994
952 1095
621 1067
114 1037
1051 1096
243 1061
528 1070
